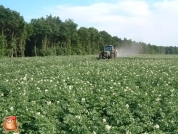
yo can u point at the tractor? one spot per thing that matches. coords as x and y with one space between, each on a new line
108 52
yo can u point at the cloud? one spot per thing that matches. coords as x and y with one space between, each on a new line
154 23
139 8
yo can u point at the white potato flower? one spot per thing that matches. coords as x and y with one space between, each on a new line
83 99
11 108
38 113
94 132
70 87
104 120
127 105
48 102
79 117
156 126
128 132
107 127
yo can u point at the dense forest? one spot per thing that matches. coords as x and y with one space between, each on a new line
51 36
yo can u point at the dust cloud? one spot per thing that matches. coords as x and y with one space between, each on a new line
128 50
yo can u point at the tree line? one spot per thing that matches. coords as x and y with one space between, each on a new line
51 36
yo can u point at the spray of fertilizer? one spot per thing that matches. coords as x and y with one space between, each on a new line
128 50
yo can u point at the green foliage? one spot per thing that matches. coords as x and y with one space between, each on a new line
51 36
2 45
12 29
79 94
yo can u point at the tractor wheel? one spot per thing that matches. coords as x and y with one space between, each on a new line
112 56
115 55
100 56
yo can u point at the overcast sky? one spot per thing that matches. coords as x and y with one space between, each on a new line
149 21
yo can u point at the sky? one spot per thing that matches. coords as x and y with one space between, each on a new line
148 21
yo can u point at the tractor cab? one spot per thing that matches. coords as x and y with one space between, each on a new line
108 48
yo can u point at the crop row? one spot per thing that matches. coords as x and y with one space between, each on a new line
75 94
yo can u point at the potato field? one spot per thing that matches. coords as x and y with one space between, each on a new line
84 95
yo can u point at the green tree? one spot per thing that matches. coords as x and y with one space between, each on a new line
94 40
12 26
45 37
2 45
84 39
105 39
117 41
68 32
